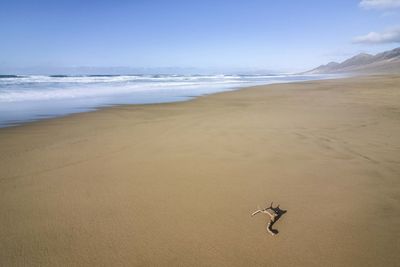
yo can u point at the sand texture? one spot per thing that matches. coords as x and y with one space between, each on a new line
175 184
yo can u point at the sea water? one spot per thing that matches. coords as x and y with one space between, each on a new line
33 97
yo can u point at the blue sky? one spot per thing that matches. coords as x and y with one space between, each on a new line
219 34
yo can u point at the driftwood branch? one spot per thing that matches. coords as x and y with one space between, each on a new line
274 214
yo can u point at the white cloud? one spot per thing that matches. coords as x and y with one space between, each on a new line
380 4
389 36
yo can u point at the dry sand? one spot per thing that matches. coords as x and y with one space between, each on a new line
175 184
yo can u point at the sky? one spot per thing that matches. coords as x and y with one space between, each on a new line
275 35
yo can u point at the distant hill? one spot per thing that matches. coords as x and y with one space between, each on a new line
385 62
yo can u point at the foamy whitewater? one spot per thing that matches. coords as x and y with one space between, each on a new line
29 98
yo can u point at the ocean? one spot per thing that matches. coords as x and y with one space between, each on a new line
35 97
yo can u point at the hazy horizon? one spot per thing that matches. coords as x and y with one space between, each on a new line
123 70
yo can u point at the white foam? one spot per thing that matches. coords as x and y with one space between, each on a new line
38 88
36 97
34 88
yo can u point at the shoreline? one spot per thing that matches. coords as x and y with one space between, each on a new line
176 183
189 95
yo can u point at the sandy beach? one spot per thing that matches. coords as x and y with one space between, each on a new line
175 184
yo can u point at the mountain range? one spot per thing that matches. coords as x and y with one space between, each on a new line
385 62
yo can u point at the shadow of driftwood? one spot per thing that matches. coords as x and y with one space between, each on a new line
274 213
278 214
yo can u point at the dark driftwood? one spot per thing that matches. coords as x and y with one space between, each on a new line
274 213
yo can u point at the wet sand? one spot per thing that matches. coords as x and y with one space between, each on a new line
175 184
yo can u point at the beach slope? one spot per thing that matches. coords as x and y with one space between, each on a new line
175 184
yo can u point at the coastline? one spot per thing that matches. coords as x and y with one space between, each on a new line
34 98
175 183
